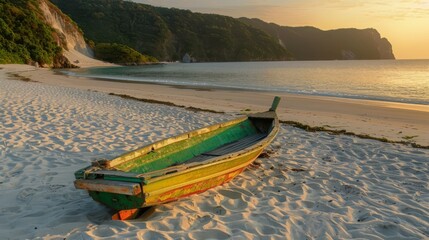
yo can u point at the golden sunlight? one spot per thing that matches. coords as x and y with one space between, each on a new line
402 22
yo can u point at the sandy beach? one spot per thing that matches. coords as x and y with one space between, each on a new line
389 120
313 185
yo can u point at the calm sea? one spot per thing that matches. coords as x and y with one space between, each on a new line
388 80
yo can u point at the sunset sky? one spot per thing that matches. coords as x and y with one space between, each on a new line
405 23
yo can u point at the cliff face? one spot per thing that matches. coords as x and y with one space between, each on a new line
36 32
385 49
69 37
169 34
309 43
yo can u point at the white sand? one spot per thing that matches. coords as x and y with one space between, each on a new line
314 185
393 121
81 60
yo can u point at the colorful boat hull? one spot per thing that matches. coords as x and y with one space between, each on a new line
197 162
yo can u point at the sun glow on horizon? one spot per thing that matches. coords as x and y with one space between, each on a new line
403 23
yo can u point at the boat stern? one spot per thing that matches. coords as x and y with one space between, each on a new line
117 190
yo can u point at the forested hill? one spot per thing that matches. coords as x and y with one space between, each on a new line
24 35
168 34
37 31
309 43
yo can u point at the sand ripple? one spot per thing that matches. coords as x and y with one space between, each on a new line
313 185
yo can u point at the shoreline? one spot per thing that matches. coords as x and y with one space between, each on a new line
386 121
307 185
179 85
290 123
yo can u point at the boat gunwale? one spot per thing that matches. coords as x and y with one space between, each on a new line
172 171
110 164
212 161
180 185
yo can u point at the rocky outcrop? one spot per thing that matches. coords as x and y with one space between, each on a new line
36 32
61 61
69 36
310 43
168 34
385 49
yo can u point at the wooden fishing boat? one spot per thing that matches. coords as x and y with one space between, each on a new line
179 166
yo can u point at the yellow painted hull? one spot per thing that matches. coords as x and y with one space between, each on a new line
196 180
179 166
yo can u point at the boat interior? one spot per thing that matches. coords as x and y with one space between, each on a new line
202 147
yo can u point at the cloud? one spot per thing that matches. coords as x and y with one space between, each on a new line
237 8
268 9
394 10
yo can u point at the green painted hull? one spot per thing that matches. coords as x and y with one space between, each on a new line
179 166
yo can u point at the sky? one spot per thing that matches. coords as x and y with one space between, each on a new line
405 23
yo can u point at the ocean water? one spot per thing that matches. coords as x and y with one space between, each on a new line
387 80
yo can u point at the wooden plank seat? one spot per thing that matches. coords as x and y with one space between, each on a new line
101 185
228 148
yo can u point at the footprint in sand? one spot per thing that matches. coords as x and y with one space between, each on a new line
265 230
349 190
55 187
387 229
363 216
230 194
219 210
200 222
204 220
26 195
14 174
151 234
209 234
104 232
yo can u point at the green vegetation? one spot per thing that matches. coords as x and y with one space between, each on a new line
25 38
310 43
117 27
168 34
121 54
210 37
409 138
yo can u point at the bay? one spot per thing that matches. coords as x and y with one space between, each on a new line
386 80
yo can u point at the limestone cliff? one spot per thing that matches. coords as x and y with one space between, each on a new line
76 52
36 32
68 35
